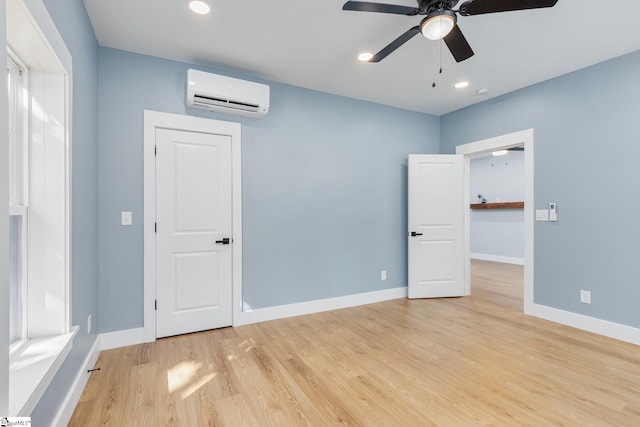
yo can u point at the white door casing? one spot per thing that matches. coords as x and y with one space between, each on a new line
193 213
436 226
524 138
154 121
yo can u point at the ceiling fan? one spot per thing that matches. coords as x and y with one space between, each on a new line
441 20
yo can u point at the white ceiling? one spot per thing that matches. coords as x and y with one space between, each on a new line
314 44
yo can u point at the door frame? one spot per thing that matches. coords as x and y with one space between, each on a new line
152 121
478 149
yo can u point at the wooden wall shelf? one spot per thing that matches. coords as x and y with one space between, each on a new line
497 205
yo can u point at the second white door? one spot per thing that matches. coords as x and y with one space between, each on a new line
193 237
436 226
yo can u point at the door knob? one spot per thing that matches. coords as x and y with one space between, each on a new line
414 234
224 241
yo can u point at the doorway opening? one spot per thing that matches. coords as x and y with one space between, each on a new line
482 148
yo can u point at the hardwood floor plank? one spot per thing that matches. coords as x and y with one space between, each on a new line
468 361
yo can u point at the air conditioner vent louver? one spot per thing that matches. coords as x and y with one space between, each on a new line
212 100
224 94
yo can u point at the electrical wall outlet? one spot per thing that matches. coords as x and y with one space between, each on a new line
585 297
383 275
88 324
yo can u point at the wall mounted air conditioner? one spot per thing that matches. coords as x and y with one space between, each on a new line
223 94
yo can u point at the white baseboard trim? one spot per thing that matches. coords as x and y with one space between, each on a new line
73 396
597 326
134 336
310 307
124 338
105 341
497 258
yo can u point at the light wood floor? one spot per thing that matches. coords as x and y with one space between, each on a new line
447 362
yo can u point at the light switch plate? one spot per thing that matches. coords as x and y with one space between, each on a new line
542 215
126 218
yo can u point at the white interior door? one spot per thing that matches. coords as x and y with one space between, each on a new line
193 238
436 226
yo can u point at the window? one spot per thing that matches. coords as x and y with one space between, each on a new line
39 98
18 118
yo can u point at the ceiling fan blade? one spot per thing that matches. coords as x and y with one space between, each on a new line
458 45
479 7
365 6
408 35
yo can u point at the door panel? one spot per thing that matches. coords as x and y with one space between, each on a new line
195 269
193 212
436 215
196 167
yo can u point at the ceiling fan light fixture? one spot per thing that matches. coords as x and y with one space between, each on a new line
199 7
438 24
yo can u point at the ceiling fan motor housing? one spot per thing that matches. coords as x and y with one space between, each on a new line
426 7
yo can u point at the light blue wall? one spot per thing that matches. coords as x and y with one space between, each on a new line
73 24
586 160
324 188
498 232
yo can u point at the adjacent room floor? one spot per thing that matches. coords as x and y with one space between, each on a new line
447 362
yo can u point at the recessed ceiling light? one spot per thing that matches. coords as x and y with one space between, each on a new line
482 92
499 153
365 56
199 7
461 85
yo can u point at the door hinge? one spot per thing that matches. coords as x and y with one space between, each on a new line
155 150
155 227
156 305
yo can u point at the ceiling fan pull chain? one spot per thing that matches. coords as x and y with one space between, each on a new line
440 43
434 73
440 70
